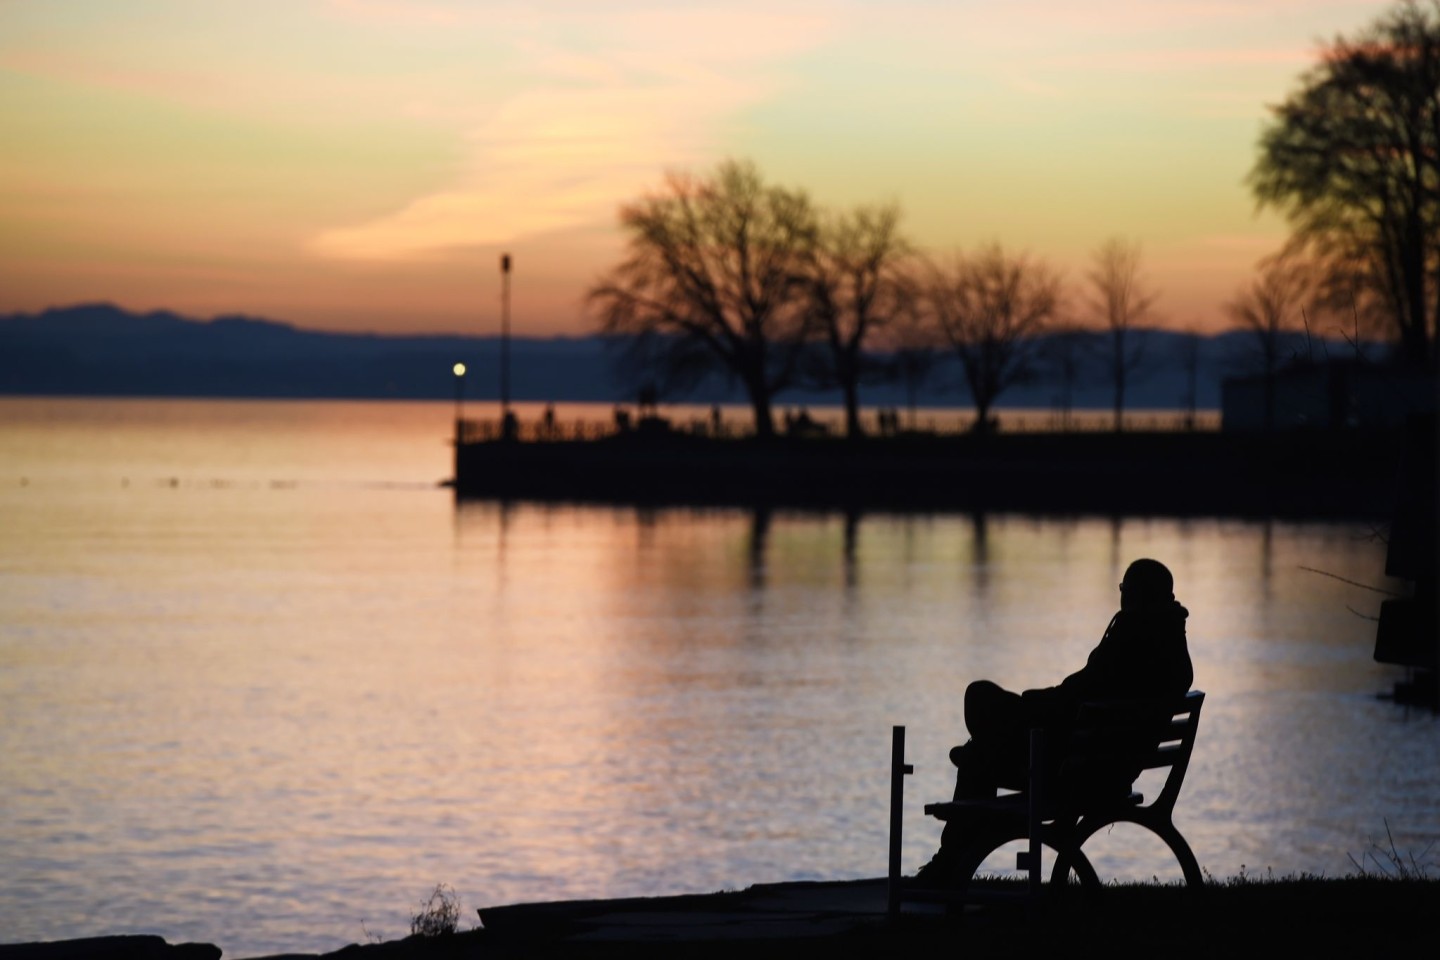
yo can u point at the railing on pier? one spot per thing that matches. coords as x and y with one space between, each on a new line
876 424
531 431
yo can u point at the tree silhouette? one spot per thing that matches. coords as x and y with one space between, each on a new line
1190 361
858 287
1119 302
1270 306
990 307
1061 354
1352 158
717 277
911 345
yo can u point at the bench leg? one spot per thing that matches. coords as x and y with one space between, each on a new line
1164 829
1073 858
898 771
1188 864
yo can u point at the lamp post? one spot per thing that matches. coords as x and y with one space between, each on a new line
507 419
459 371
504 333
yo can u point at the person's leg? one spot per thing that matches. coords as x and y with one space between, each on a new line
995 755
974 775
992 712
998 750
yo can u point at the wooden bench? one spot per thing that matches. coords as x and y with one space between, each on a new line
1048 815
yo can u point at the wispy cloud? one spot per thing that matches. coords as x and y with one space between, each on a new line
1258 244
549 159
1169 59
605 115
1054 49
408 12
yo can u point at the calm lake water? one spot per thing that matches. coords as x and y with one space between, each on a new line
264 684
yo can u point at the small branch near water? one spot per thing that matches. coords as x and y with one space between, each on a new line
1353 583
1362 616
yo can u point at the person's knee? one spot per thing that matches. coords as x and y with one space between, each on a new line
978 694
982 688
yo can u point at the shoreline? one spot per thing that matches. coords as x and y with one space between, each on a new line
1354 916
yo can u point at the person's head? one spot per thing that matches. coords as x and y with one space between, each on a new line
1146 582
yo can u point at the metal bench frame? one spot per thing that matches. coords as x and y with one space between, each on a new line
1031 815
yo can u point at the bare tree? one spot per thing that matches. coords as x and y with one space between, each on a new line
911 344
1270 306
1120 301
991 307
1353 160
859 288
717 277
1061 353
1190 361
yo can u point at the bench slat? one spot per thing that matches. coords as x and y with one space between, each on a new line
1102 741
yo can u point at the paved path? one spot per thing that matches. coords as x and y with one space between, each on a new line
766 912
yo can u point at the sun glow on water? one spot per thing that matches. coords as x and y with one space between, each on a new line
257 714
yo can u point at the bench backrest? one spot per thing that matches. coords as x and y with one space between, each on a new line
1121 739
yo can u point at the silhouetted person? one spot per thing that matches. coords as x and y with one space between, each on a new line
648 400
1142 658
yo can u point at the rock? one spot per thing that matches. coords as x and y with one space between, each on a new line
134 947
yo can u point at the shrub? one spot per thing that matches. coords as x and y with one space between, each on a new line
438 916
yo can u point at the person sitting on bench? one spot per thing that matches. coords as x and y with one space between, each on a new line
1142 657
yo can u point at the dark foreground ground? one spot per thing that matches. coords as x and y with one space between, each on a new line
1306 918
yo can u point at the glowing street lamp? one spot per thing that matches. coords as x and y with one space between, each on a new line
459 371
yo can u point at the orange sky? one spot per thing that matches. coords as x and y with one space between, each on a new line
361 164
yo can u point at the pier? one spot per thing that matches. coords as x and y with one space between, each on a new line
1167 472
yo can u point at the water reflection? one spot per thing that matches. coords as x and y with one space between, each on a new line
759 541
342 694
852 540
739 614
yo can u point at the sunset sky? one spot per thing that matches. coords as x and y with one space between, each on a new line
361 164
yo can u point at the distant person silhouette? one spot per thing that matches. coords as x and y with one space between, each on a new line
1142 657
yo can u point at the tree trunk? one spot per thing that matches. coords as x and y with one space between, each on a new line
853 428
982 413
1119 404
764 415
1432 358
1417 323
1270 401
1119 380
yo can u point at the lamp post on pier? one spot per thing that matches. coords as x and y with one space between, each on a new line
459 371
509 429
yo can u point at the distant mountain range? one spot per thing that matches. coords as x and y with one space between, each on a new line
103 350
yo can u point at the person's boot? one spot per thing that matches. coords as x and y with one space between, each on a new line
971 780
936 873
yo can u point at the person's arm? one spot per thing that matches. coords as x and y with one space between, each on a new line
1049 705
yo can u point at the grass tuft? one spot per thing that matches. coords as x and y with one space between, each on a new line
438 916
1386 862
